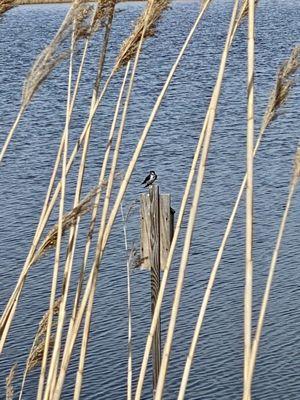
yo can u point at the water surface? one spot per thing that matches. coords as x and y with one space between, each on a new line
24 177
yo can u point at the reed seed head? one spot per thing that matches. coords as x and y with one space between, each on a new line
244 10
36 354
296 172
104 13
146 23
6 5
69 219
283 85
79 19
9 380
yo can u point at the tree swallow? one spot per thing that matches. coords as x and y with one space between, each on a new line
149 179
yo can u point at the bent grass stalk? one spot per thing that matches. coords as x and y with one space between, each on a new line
47 208
103 219
43 66
293 186
211 113
60 224
74 229
11 306
276 100
92 278
129 340
249 195
109 188
173 245
12 303
79 375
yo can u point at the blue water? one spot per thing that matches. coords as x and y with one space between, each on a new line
24 177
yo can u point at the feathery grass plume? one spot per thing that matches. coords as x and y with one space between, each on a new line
69 220
54 53
37 349
150 16
296 172
244 10
104 11
36 353
9 386
6 5
284 83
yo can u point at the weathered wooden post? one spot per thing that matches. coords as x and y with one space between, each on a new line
156 234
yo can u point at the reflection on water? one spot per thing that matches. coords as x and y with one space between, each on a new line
24 176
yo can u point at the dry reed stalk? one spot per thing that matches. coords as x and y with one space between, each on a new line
103 220
90 289
79 375
249 195
254 349
77 321
74 229
211 113
42 222
108 196
60 220
49 58
98 196
35 356
146 26
129 339
220 254
52 55
9 379
11 306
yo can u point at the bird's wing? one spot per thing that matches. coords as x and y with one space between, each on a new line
146 179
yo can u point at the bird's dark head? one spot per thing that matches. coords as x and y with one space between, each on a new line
152 173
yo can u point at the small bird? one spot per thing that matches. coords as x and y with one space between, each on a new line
149 179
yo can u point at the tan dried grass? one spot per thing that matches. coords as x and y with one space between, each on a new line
147 23
284 82
36 353
9 380
78 19
6 5
69 219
